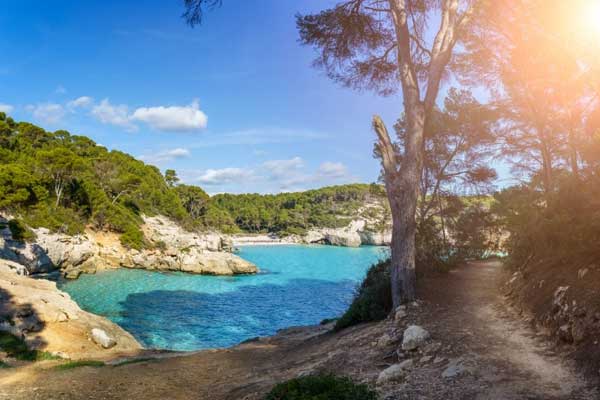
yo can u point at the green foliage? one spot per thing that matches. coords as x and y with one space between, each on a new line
194 200
292 213
133 238
321 387
79 363
563 225
20 231
57 219
16 348
373 299
65 182
171 177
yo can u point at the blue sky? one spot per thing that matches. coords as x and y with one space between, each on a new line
233 105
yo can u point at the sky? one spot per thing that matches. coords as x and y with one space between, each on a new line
233 105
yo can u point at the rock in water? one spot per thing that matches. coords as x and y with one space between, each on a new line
414 336
394 372
101 338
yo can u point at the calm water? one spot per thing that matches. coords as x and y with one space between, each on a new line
298 285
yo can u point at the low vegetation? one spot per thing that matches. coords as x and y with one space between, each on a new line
79 363
16 348
321 387
373 299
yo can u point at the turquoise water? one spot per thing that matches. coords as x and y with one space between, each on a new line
298 285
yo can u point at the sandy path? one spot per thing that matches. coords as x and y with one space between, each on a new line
500 355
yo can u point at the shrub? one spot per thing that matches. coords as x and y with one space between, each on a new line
79 363
133 238
321 387
373 299
15 347
56 219
20 231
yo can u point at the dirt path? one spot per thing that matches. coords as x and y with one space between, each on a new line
495 356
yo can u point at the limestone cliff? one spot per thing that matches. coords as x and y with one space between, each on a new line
174 249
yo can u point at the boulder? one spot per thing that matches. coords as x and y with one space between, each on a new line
395 372
101 338
414 336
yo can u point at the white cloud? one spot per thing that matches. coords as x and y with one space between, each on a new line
279 168
173 118
60 89
224 176
6 108
80 102
117 115
167 155
333 170
50 113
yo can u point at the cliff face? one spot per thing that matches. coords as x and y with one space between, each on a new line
174 250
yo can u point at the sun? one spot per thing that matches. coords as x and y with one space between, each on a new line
590 19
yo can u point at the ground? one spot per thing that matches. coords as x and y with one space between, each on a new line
498 356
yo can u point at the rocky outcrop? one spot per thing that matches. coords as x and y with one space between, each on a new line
47 319
175 249
358 232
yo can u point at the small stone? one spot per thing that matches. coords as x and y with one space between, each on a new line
101 338
454 368
438 360
385 340
72 273
582 273
414 336
394 372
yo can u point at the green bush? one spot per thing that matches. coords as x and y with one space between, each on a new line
373 299
57 219
15 347
20 231
321 387
79 363
133 238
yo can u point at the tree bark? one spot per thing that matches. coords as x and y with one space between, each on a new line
403 184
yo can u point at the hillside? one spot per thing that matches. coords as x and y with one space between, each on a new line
68 183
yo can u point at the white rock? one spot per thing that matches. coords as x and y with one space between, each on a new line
395 372
413 337
101 338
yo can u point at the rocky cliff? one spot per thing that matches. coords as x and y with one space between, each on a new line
174 249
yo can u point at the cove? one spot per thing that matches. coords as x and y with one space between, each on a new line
297 285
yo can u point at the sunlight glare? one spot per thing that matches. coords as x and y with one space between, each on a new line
590 19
